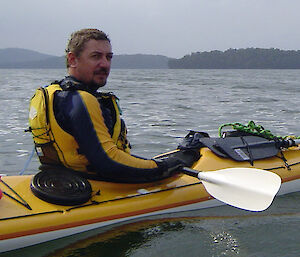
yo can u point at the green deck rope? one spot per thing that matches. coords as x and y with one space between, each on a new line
253 129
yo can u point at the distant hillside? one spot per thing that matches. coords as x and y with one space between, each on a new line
22 58
250 58
18 55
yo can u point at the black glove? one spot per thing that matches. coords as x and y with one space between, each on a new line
174 162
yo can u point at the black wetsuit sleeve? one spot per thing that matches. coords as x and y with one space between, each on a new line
80 115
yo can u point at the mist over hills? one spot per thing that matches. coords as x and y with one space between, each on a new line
249 58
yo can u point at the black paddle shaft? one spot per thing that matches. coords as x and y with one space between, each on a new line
190 172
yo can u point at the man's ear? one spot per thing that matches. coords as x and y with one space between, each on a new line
72 60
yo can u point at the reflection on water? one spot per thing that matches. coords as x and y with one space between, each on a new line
206 236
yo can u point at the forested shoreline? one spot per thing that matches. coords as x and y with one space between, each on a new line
249 58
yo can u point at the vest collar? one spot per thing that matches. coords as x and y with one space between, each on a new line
70 83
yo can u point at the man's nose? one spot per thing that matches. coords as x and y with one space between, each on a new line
104 62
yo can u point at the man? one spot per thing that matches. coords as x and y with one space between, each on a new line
87 133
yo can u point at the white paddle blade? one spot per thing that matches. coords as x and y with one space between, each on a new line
245 188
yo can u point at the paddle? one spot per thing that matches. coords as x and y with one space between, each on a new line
245 188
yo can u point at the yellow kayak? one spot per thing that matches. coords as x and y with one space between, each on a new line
27 219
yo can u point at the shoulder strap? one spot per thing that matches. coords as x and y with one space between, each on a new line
46 98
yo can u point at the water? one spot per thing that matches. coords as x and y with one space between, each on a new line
159 107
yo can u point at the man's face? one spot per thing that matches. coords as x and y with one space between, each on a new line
92 66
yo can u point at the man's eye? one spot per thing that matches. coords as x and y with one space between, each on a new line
95 56
109 57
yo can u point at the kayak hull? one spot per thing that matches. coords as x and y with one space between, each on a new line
41 237
112 203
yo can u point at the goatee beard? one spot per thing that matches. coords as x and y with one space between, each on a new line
93 86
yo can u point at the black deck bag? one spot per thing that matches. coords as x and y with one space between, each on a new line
243 148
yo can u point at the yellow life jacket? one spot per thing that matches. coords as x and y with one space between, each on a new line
56 146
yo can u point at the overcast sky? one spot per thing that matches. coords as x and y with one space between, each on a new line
172 28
